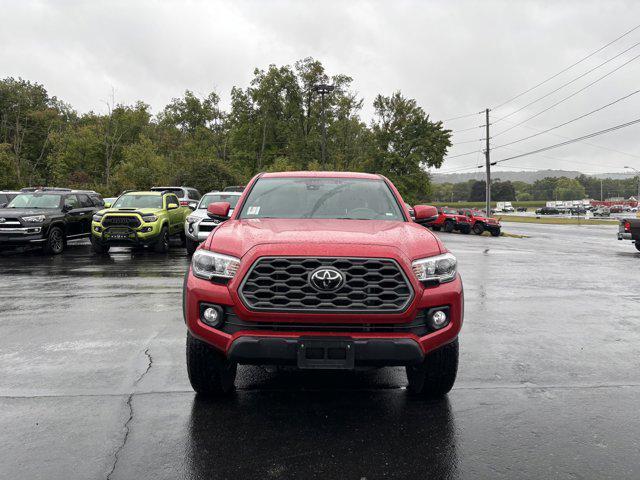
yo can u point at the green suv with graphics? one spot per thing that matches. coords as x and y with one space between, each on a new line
139 219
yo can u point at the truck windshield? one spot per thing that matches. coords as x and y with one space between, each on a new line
342 198
132 200
219 197
35 200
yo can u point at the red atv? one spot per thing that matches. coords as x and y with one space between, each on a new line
480 222
449 220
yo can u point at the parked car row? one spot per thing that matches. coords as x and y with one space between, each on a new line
48 217
465 221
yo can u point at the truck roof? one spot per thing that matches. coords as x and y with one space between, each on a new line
308 174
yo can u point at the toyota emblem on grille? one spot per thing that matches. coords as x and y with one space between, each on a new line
326 279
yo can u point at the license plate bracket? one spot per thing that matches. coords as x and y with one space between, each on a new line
326 353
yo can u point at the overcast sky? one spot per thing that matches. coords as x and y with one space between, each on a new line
453 57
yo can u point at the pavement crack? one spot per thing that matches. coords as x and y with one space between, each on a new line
128 403
127 430
149 365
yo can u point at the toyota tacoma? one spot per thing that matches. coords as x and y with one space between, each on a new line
138 219
322 270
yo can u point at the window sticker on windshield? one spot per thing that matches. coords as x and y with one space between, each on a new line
255 210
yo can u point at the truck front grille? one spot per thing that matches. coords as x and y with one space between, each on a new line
9 222
121 221
371 285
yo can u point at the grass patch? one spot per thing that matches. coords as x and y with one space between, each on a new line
557 220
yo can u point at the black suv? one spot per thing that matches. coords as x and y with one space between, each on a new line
48 218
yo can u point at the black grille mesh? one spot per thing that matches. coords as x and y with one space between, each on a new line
372 285
121 221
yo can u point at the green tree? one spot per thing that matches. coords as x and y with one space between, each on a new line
569 189
407 143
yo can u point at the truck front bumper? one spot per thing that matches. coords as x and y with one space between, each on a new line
381 341
250 350
125 236
16 237
624 236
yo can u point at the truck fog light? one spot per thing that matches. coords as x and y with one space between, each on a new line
438 317
211 315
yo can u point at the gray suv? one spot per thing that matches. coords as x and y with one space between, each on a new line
188 196
198 225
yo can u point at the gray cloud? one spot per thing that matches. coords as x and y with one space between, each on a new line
453 57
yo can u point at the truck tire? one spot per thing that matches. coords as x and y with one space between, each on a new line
55 241
478 228
162 244
435 376
210 373
466 229
448 227
638 245
495 232
98 247
183 239
191 245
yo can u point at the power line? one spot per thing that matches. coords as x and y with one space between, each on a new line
567 83
573 140
467 129
461 116
469 141
567 97
529 127
463 154
569 121
567 68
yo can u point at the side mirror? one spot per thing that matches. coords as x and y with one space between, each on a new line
107 204
425 213
219 210
2 205
172 206
66 208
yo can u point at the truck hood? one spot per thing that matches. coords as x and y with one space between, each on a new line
141 211
237 237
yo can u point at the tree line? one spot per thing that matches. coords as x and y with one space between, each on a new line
549 188
273 124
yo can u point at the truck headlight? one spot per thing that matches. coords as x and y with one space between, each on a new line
207 265
192 219
34 219
97 217
149 218
439 269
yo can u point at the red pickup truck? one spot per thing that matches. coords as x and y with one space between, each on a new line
322 270
630 230
480 222
449 220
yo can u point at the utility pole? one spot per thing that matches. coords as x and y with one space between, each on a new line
324 89
487 157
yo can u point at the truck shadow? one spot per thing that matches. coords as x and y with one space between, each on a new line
342 433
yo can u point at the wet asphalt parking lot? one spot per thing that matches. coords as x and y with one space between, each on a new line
93 381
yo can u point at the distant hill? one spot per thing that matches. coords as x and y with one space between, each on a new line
522 176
